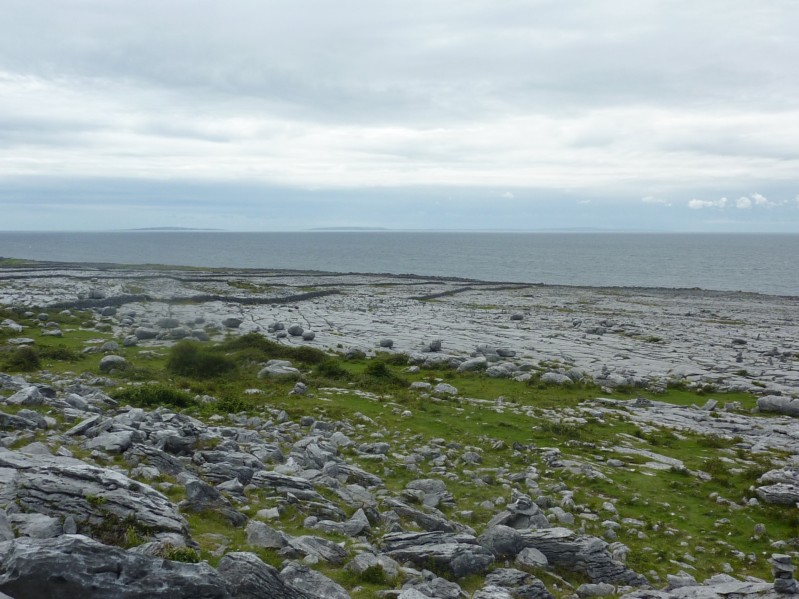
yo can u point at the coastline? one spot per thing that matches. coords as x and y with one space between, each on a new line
738 341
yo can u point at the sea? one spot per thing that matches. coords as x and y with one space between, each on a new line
760 263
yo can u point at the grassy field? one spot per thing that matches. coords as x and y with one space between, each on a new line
679 521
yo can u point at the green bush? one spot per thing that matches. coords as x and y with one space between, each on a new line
21 359
191 359
154 395
374 575
331 369
715 466
181 554
717 441
258 348
378 369
377 372
60 353
393 359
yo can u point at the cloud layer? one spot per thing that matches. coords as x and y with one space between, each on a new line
652 104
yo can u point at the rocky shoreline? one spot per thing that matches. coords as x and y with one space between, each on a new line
99 498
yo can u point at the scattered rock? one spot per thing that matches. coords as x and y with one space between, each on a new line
113 362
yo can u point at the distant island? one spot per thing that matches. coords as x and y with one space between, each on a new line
170 229
350 229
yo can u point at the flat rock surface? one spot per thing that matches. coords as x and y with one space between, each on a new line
744 341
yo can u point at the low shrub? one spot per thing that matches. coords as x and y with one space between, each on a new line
378 369
153 395
60 353
260 349
331 369
191 359
21 359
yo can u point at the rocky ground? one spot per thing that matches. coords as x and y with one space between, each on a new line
540 441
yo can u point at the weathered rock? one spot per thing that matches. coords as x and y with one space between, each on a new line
112 362
232 322
17 422
278 369
364 561
36 525
717 587
300 388
248 577
202 497
430 491
117 442
320 548
521 585
531 557
433 346
75 566
445 389
588 555
601 589
168 323
779 404
57 486
29 396
522 514
431 521
556 378
261 535
312 582
420 386
502 541
458 554
295 330
780 494
473 364
143 333
387 343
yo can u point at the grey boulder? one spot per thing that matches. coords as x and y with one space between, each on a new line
458 554
112 362
72 566
312 582
60 486
588 555
779 404
248 577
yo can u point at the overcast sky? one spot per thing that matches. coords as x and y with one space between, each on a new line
282 115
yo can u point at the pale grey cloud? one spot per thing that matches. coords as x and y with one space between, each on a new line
613 102
699 204
656 201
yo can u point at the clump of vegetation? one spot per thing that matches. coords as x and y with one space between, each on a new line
21 359
60 353
374 575
331 369
192 359
154 395
258 348
715 466
181 554
377 371
392 359
560 429
717 441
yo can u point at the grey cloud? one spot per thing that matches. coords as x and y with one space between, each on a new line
419 61
254 101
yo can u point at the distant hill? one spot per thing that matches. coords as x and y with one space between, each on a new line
170 229
350 229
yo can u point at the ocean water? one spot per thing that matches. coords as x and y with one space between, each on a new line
762 263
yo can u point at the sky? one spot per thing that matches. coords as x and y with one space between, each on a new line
258 115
